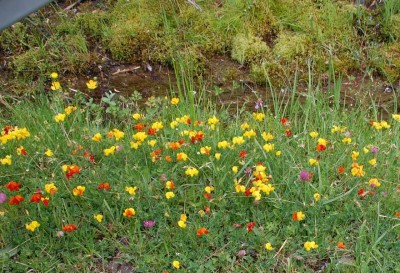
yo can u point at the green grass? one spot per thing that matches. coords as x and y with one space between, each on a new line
366 224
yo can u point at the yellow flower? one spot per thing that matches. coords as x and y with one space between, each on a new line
69 110
217 156
396 117
79 190
314 134
59 117
98 218
310 245
54 75
181 224
191 171
313 162
97 137
91 84
183 217
235 169
157 125
322 141
238 140
372 162
366 151
135 145
169 185
50 188
174 101
212 122
278 153
176 264
55 86
21 150
32 226
374 182
139 136
245 126
317 196
209 189
357 170
267 136
131 190
152 142
49 152
6 160
129 212
299 216
354 155
223 144
338 129
268 246
259 116
109 151
268 147
249 133
173 124
136 116
181 157
346 140
169 195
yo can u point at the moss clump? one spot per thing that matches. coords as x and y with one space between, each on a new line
390 64
249 49
289 45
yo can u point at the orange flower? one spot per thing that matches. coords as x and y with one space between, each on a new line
140 127
69 227
341 245
104 186
201 231
341 169
397 214
15 200
13 186
129 212
168 158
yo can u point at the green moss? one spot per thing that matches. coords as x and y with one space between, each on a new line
249 49
289 45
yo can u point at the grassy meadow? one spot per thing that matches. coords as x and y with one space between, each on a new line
185 185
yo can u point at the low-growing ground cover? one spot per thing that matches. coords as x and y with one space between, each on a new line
182 185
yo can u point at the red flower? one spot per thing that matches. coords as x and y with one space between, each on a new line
341 169
341 245
36 197
207 195
15 200
242 154
201 231
140 127
288 133
71 171
284 121
88 156
13 186
197 138
320 147
104 186
294 216
247 192
69 227
250 226
361 192
45 201
151 131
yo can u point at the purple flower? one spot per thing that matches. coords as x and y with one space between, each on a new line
149 223
374 150
305 176
259 104
119 148
242 253
3 197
